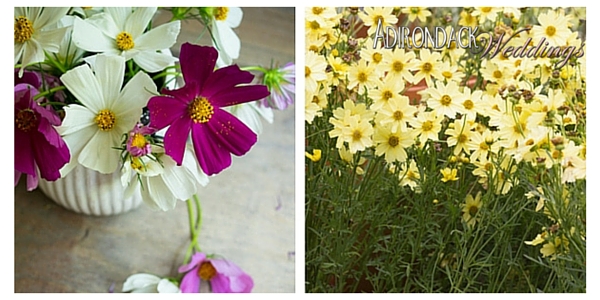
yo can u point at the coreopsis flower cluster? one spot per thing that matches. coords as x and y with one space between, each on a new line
99 88
494 112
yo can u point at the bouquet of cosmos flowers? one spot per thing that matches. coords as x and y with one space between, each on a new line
100 89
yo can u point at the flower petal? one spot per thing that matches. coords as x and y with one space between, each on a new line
99 154
156 192
190 282
77 117
152 61
197 258
212 157
105 69
230 133
84 86
137 281
225 78
165 110
91 38
227 42
240 94
176 137
134 96
166 286
138 20
197 63
179 180
161 37
24 159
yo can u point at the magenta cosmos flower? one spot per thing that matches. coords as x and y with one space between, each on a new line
38 146
224 276
196 107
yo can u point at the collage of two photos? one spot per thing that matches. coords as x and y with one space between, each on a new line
162 150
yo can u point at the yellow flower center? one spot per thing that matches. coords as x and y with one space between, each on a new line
137 164
497 74
356 135
415 10
473 210
313 48
427 126
446 100
200 110
207 271
484 146
125 41
486 9
314 25
307 72
376 19
462 138
397 66
550 30
221 13
25 120
106 120
398 115
447 74
386 95
411 175
23 30
393 141
426 67
317 10
138 140
377 57
468 104
362 77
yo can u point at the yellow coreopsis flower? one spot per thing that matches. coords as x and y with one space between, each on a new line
371 16
414 13
471 209
554 27
449 174
315 156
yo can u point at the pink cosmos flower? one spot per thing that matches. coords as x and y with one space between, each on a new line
38 146
137 145
224 276
196 107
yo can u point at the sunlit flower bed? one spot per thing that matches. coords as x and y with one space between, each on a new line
446 149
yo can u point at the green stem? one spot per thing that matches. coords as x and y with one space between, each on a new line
50 91
254 68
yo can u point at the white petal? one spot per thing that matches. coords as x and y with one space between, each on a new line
135 95
99 154
178 179
119 15
137 21
141 280
160 194
234 17
33 52
161 37
166 286
191 164
227 40
50 15
82 83
76 142
153 62
77 117
18 51
90 38
106 69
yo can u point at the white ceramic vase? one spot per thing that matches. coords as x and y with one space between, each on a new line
89 192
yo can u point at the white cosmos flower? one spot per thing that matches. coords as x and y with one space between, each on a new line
148 283
33 35
92 130
162 185
225 40
120 31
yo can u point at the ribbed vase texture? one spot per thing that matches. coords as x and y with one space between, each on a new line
89 192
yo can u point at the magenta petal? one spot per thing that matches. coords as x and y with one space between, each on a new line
50 134
197 259
50 159
164 111
225 78
211 156
190 282
32 182
220 284
176 138
240 94
24 158
231 133
197 63
185 94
